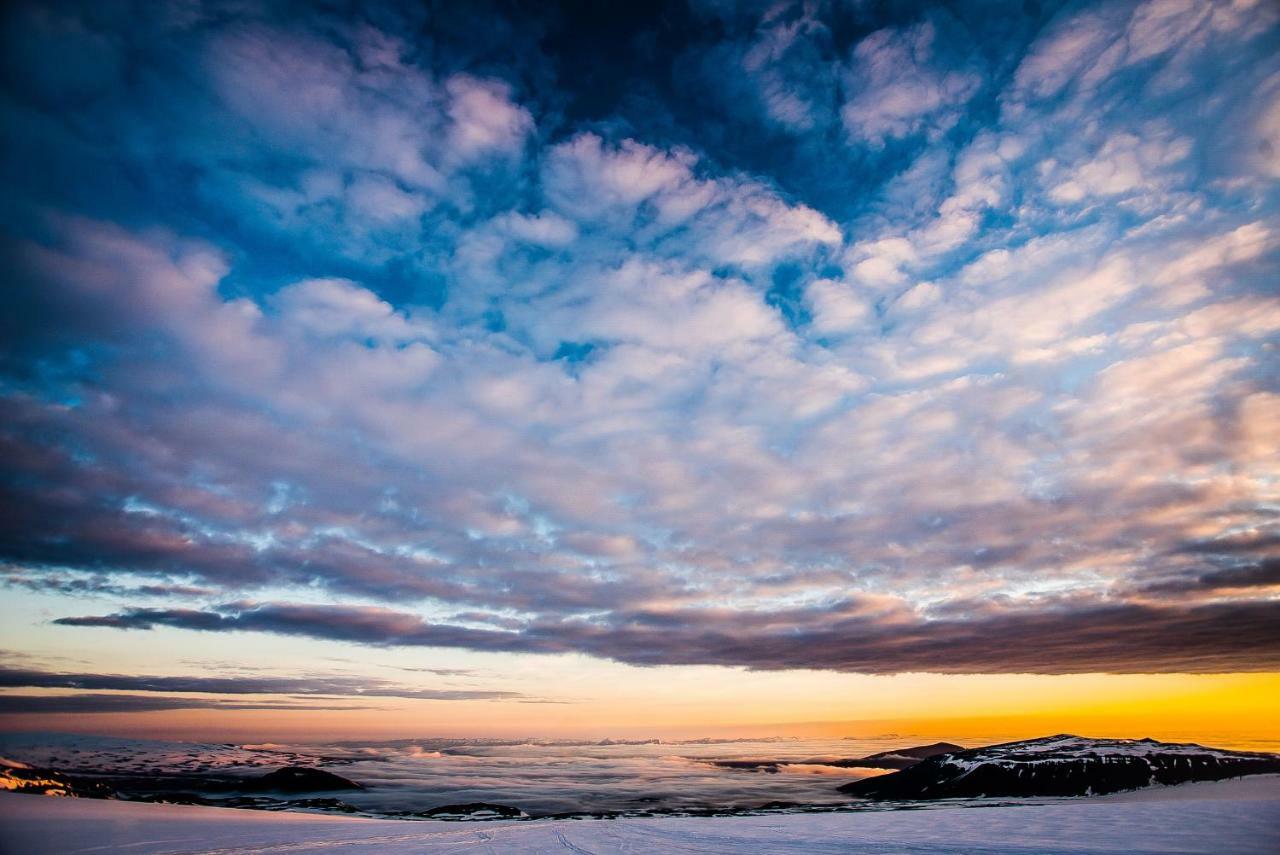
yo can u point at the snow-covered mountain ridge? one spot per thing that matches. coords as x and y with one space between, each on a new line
1062 765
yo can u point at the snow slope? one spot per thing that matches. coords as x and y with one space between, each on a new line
1066 746
1238 816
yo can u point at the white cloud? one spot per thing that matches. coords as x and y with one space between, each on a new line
1266 132
894 89
650 194
380 201
791 77
1185 277
483 118
1126 163
386 127
1066 51
341 308
919 296
544 229
836 306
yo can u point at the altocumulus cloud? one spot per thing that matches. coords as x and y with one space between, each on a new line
932 340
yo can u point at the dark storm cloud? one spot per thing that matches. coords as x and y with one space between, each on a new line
89 704
1263 574
1262 544
93 585
240 685
852 637
365 625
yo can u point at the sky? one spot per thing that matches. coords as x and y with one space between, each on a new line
688 367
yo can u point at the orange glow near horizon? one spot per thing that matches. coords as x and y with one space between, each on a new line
1226 710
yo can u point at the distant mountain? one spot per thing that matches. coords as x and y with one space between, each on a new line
1062 765
900 758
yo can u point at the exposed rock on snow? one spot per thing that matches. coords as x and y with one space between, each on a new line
1062 765
475 810
21 778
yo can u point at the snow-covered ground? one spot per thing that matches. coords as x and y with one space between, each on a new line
1238 816
1064 748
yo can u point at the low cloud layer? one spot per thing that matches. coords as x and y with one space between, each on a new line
923 340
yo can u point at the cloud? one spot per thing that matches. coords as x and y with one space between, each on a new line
650 194
340 308
483 118
836 307
798 360
239 685
788 63
1264 574
375 113
896 90
1124 164
1071 45
861 635
93 704
92 585
1233 545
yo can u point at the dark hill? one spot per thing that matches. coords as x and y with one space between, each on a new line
298 779
900 758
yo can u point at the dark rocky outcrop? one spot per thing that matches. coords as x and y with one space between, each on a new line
474 810
298 779
19 777
1060 765
770 766
327 805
